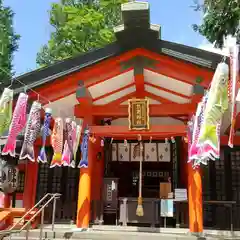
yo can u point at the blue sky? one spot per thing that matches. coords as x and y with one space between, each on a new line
31 21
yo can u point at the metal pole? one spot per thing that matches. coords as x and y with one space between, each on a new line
42 222
14 199
54 212
231 216
27 232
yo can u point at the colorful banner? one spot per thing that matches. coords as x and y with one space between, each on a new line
234 70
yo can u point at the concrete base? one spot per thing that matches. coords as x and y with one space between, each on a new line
123 233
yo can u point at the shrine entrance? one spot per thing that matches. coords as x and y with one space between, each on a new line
63 180
160 165
157 167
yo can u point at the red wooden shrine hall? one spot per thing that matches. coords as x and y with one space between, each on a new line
96 87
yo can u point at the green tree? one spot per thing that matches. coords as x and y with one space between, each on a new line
79 26
221 18
8 42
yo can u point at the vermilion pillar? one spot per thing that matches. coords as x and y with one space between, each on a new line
195 204
30 184
194 196
195 200
84 192
84 187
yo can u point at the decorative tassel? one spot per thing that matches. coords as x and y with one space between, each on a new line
92 139
102 143
172 140
139 211
125 143
139 137
185 139
150 140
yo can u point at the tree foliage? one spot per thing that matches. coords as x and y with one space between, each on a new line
221 18
79 26
8 42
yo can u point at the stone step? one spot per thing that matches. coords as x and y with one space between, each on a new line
67 231
101 235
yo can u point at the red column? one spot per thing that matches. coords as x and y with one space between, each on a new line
195 181
195 200
84 187
7 204
194 184
84 191
30 185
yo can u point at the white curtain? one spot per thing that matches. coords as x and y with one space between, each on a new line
114 152
164 152
123 152
150 153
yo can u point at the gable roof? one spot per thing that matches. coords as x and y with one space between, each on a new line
136 32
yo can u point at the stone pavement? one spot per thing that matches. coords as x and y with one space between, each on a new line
114 233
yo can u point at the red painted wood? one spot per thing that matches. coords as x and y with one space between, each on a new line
123 131
168 90
113 92
155 110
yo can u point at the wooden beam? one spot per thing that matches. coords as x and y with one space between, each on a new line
174 74
139 81
83 95
109 75
180 65
158 98
139 76
67 85
113 92
168 90
155 110
123 131
121 100
224 140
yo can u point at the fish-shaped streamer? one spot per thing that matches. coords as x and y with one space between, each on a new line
84 150
75 145
31 132
57 143
18 123
195 148
5 110
216 105
45 133
68 145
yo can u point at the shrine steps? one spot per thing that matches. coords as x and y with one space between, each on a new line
12 215
98 235
63 231
96 232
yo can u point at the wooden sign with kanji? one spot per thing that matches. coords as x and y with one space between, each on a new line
138 114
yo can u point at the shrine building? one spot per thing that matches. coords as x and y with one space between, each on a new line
95 88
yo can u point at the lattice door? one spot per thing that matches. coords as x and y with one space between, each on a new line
42 185
62 180
175 163
235 169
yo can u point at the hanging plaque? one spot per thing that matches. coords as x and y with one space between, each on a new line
138 114
8 177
